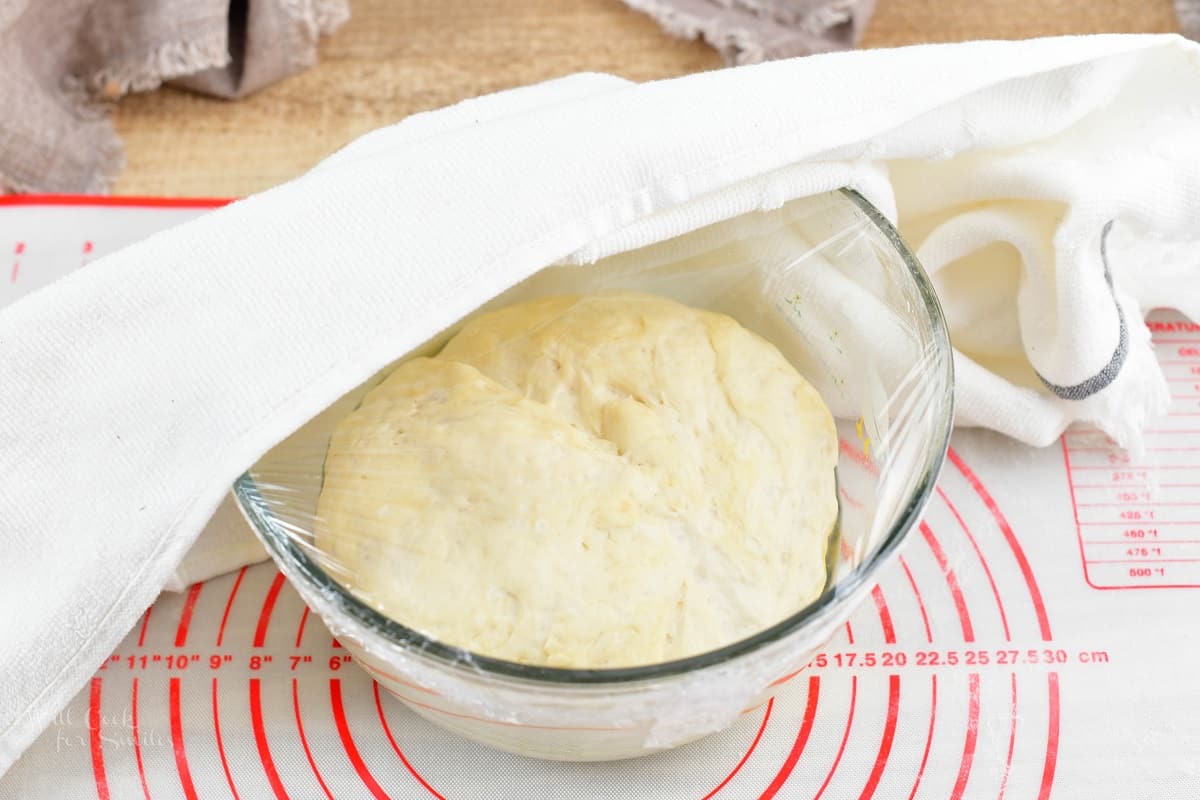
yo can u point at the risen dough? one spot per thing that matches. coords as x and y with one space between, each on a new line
589 481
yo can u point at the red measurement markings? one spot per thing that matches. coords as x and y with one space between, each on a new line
387 731
145 622
928 737
264 617
220 743
1144 560
920 603
122 201
1012 736
181 762
1130 472
960 603
1051 738
837 758
968 756
237 583
1109 449
856 455
16 267
96 744
751 709
793 756
849 633
185 618
1035 594
885 744
339 719
987 571
1159 485
260 740
938 659
1158 523
885 615
300 628
786 678
1154 542
1128 504
304 740
746 757
849 499
137 741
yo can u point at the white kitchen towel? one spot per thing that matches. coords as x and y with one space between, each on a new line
227 542
1032 177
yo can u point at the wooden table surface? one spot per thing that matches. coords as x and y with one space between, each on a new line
397 57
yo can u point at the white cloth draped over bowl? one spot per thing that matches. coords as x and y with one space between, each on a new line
1052 187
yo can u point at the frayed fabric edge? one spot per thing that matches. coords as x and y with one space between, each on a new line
169 60
739 46
331 15
90 95
318 17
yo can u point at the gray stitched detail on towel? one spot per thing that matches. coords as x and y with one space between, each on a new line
1104 377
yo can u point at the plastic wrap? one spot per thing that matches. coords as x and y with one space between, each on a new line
828 282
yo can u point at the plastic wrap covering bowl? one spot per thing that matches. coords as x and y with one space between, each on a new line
828 281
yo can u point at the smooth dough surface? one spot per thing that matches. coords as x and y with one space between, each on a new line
586 481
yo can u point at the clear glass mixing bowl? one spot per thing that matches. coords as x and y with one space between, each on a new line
828 281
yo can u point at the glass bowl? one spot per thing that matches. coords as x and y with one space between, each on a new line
826 279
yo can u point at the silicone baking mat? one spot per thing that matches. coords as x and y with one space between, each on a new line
1036 638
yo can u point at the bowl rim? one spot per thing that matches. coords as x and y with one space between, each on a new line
285 550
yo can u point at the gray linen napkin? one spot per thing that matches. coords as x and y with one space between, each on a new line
749 31
1188 12
62 62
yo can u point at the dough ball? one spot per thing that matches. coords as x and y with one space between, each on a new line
586 481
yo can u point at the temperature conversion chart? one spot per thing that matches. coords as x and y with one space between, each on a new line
1138 519
1035 639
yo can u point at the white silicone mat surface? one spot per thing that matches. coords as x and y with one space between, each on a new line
1038 638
